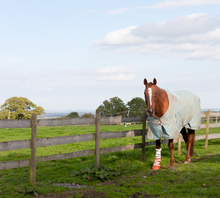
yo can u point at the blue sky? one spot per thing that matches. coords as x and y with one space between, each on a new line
74 54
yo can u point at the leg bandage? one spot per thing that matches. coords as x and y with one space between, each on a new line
157 161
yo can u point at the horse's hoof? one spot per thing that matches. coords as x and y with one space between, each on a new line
187 162
171 167
155 167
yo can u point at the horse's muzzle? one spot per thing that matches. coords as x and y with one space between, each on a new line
151 112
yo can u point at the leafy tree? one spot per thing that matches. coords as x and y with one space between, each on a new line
105 108
115 106
136 106
87 115
73 115
19 108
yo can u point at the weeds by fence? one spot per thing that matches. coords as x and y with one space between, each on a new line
41 142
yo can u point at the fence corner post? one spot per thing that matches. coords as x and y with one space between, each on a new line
33 149
143 135
207 129
97 138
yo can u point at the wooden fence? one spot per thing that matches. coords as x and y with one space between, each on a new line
41 142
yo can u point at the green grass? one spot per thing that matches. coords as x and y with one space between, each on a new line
201 178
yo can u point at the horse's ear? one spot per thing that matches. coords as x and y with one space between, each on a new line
145 81
155 81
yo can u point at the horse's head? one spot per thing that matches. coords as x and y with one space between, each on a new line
150 96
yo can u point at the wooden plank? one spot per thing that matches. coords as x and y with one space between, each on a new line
14 145
33 149
26 162
22 144
120 134
214 125
66 155
14 164
97 138
64 140
211 125
111 120
210 136
66 121
143 135
15 123
200 137
120 148
214 136
41 142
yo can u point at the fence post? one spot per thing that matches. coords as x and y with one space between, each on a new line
207 129
179 144
143 135
97 138
33 149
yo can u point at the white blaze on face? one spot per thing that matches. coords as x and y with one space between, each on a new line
150 95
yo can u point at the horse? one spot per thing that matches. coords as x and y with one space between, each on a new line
168 114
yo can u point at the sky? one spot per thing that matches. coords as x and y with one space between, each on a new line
73 54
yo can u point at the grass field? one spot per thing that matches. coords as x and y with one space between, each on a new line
134 178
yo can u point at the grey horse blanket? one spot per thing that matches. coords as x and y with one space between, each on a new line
184 111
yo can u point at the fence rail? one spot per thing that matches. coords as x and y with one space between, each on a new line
26 162
80 121
42 142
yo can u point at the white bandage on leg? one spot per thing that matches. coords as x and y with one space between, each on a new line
158 153
157 161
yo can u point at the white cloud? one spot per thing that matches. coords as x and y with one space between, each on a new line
117 73
121 36
117 11
172 4
110 70
120 77
195 36
180 26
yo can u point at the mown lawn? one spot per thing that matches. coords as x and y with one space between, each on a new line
134 178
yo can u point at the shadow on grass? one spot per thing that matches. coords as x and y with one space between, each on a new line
209 158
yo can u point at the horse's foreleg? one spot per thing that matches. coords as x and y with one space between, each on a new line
171 147
190 144
157 161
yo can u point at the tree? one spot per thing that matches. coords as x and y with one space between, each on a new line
87 115
136 106
73 115
115 106
19 108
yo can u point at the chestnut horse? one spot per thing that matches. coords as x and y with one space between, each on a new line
170 113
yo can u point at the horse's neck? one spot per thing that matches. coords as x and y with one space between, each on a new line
162 103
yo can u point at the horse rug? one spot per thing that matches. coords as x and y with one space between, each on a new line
184 111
